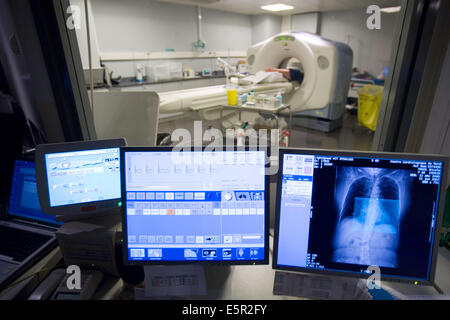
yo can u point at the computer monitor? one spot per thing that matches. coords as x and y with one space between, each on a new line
79 178
188 207
24 199
340 212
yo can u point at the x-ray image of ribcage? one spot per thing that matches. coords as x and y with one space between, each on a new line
370 214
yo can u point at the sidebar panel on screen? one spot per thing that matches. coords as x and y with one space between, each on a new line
297 183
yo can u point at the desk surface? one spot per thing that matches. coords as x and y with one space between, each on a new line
256 282
245 282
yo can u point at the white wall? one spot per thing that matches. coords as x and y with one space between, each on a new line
145 25
286 23
436 138
82 35
142 25
149 26
226 31
308 22
371 48
265 26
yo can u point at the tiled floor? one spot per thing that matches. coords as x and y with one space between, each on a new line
351 136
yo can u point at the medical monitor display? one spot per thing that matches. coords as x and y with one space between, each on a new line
342 213
83 176
204 207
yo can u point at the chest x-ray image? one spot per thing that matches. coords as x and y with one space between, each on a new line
370 203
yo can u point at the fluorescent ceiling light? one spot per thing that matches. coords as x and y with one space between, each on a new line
391 9
277 7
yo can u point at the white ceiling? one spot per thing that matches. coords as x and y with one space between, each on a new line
300 6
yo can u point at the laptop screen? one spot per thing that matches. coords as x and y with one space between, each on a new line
24 200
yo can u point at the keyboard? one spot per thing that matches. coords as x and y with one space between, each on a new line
20 244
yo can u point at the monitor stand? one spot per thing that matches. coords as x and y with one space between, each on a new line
218 281
102 217
90 242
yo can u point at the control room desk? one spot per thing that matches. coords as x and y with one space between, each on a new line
256 282
230 283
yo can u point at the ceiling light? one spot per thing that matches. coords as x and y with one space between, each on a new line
277 7
391 9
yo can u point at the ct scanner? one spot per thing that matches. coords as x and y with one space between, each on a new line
318 102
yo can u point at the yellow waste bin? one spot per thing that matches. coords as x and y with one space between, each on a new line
369 100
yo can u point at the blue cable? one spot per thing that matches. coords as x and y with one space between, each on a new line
381 294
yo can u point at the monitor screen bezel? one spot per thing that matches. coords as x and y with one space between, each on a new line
264 261
79 209
349 153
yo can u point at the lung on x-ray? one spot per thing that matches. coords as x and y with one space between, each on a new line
370 202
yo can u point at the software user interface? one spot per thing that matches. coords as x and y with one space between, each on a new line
83 176
24 199
348 213
202 206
